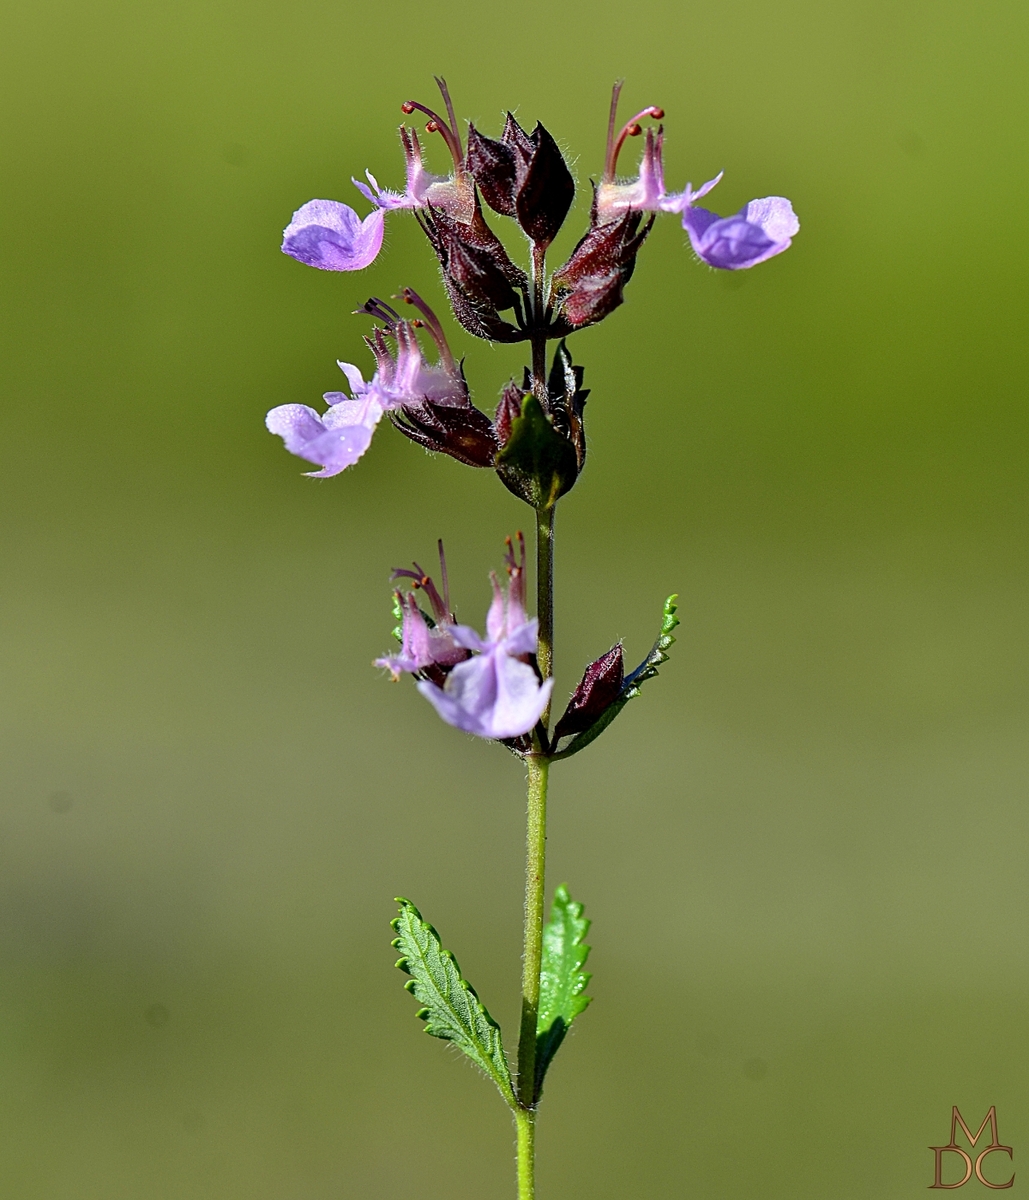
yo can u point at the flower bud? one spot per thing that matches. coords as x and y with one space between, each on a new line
567 399
508 410
464 433
542 442
523 176
492 165
599 688
589 286
479 275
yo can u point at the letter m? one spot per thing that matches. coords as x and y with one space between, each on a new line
990 1119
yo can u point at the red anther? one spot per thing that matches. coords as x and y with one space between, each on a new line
407 108
657 113
634 130
418 323
431 127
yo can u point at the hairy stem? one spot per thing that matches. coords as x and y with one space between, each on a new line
535 863
538 769
545 596
538 337
525 1119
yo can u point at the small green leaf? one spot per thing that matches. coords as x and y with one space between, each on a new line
450 1008
537 462
562 979
647 669
398 616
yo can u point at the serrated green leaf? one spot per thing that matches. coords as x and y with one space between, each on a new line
647 669
562 978
450 1008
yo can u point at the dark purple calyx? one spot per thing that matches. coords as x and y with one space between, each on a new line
523 176
590 284
480 277
599 688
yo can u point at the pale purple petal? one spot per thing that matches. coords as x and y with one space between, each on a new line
469 696
466 636
334 441
680 201
354 377
757 232
416 647
521 698
729 243
421 646
492 696
331 236
523 639
366 412
384 198
696 222
704 187
776 217
296 424
365 191
496 618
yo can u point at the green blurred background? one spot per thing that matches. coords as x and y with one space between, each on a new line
804 849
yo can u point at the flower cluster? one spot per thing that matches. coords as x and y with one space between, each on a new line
535 440
487 686
524 176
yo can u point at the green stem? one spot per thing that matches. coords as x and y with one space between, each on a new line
535 866
535 871
536 827
525 1119
545 595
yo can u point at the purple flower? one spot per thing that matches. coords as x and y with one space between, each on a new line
427 649
760 229
336 439
455 194
645 193
332 237
495 691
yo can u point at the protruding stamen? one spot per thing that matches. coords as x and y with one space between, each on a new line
438 125
612 117
446 581
380 311
630 129
445 93
433 326
514 566
421 580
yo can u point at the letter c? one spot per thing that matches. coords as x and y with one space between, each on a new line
979 1168
938 1151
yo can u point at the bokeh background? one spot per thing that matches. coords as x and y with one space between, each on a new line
804 849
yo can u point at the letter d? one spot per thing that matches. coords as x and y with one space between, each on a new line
939 1152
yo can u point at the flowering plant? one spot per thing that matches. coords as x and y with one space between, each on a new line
500 686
